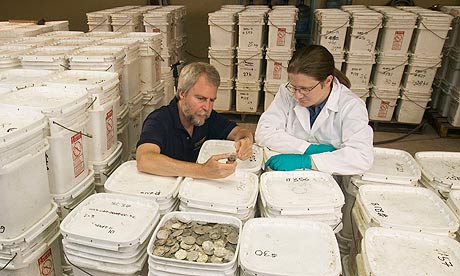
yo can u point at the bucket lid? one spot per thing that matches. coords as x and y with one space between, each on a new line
23 77
213 147
301 192
384 250
111 221
126 179
454 202
392 166
288 247
227 195
49 100
92 81
406 208
439 166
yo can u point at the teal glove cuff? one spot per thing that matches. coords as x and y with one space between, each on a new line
318 148
289 162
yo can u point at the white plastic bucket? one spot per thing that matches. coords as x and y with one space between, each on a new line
223 60
213 147
277 63
103 169
395 36
123 135
410 109
20 78
264 249
420 73
363 37
270 89
389 70
435 33
126 179
224 100
440 169
381 107
249 64
358 69
281 33
453 67
247 100
135 121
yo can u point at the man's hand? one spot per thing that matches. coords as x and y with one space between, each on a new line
243 148
214 169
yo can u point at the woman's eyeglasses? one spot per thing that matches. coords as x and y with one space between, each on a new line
302 90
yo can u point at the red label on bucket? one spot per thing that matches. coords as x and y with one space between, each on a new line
383 110
45 264
398 40
281 37
109 128
77 154
277 67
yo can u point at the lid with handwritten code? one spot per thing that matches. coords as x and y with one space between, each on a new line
126 179
237 191
111 221
288 247
212 147
441 167
302 191
393 166
395 252
406 208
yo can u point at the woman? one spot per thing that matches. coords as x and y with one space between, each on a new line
315 121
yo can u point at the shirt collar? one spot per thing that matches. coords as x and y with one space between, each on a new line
174 109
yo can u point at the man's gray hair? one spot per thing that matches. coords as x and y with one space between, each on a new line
190 73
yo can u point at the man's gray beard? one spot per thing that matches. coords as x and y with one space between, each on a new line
189 116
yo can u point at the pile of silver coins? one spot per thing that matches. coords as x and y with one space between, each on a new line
196 241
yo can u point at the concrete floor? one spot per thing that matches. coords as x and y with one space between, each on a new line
427 140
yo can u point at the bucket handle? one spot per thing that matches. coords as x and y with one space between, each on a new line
341 26
268 57
227 65
428 107
271 23
397 66
151 48
220 27
74 131
430 67
9 261
79 268
367 32
442 38
245 59
337 225
129 20
383 99
98 25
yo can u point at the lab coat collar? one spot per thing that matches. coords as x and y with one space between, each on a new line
332 105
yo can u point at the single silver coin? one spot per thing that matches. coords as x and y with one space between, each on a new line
181 254
192 255
163 234
185 246
220 252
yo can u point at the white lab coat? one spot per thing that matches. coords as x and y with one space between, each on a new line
342 123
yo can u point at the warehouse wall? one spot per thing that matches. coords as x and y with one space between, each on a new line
197 10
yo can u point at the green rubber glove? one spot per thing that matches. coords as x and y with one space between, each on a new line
318 148
289 162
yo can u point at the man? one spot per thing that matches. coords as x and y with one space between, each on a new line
172 135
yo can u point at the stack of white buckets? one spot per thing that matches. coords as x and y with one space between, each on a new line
221 54
271 246
393 46
126 179
104 150
426 52
330 29
440 171
29 223
107 234
9 55
251 42
304 195
362 39
235 195
48 58
281 32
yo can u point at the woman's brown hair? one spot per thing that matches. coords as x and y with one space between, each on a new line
317 62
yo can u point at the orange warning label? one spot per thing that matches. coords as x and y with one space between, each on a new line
45 264
281 37
383 109
109 128
77 154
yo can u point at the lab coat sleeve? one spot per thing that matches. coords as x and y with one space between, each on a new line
356 154
271 128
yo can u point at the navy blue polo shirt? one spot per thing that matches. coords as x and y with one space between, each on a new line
163 128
